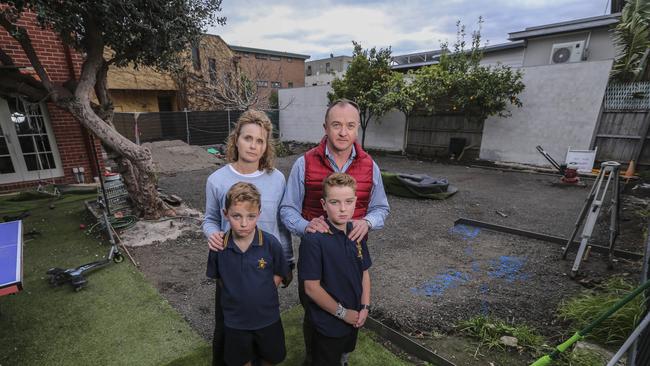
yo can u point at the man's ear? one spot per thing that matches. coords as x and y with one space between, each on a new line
322 202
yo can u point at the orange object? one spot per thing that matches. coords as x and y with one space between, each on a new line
629 173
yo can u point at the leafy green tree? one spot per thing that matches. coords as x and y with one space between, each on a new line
366 82
136 33
632 36
459 83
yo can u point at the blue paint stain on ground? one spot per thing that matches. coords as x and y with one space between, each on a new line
466 232
441 283
508 268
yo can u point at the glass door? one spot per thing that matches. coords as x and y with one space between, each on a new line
30 144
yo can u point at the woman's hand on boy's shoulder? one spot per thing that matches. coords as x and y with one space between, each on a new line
215 241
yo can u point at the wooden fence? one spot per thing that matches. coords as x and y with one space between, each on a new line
430 135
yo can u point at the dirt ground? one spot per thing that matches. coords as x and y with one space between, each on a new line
427 274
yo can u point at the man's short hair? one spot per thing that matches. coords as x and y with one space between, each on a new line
341 101
338 180
243 192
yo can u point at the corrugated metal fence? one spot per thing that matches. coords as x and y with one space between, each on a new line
624 124
193 127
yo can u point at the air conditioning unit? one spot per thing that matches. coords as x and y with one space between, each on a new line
567 52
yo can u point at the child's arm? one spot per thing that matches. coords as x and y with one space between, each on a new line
317 293
277 280
365 299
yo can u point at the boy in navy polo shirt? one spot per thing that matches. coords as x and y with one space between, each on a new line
335 274
249 270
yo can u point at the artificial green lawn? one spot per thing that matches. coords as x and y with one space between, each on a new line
119 318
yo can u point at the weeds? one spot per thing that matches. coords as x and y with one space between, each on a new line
489 332
581 357
585 308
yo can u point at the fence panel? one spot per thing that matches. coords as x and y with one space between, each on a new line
640 355
619 135
210 127
430 135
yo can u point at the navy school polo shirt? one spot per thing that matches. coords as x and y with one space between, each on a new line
249 297
335 260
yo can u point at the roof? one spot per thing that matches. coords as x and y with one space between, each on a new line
331 58
419 59
565 27
267 52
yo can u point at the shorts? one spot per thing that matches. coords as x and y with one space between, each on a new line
327 351
242 346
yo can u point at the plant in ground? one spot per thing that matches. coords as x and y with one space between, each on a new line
586 307
489 331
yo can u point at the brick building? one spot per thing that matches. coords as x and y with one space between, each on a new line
39 141
270 69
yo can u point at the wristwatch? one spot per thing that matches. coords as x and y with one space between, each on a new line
340 311
365 307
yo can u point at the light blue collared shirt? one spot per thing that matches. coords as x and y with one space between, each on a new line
294 195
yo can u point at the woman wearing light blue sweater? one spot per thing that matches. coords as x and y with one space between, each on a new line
250 153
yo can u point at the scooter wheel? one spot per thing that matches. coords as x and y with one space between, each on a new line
118 258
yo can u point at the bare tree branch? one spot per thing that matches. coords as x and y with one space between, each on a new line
5 58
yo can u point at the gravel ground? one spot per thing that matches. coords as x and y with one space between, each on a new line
427 275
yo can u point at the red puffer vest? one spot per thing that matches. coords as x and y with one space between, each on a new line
317 167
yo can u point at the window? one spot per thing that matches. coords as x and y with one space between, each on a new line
196 58
274 58
308 70
262 83
261 56
276 84
327 67
212 67
290 84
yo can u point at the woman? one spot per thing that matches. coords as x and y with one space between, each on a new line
250 155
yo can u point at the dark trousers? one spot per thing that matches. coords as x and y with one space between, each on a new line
307 327
218 337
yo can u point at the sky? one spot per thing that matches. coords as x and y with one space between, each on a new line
324 27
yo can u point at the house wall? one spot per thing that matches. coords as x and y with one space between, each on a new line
302 120
601 46
513 57
560 109
319 74
285 70
69 134
139 100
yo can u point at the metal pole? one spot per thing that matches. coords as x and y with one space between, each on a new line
228 122
187 126
136 130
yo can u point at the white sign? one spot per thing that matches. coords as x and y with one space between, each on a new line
582 159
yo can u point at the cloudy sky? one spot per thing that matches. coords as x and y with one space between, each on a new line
318 28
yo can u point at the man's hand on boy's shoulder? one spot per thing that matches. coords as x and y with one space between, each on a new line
360 229
317 225
215 241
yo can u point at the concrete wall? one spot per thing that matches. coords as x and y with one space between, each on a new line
513 57
302 120
601 46
560 109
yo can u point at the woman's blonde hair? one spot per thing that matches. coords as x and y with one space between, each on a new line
261 119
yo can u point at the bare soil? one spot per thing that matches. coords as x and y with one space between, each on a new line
428 275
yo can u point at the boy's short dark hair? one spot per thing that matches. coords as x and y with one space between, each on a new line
243 192
339 180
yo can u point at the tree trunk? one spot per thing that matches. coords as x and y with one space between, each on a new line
135 163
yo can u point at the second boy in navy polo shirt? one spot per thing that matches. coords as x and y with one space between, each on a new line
335 272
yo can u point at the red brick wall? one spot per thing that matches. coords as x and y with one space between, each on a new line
69 134
273 70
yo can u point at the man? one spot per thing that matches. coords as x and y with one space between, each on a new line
338 152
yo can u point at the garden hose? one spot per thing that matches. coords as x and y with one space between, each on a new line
117 223
579 335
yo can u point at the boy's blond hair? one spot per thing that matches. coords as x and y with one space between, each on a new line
261 119
339 180
243 192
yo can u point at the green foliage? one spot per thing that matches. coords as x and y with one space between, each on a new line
366 82
632 37
585 308
148 33
458 83
581 357
489 332
274 102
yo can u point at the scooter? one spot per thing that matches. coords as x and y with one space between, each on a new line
75 276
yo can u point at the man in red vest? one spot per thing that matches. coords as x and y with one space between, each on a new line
301 211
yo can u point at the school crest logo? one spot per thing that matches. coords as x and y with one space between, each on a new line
261 263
